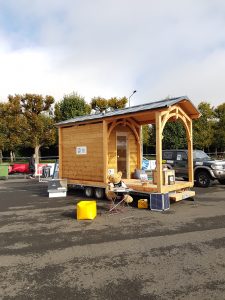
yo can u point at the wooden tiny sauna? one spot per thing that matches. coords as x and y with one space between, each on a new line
92 146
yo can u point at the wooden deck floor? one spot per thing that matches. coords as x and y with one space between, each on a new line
148 186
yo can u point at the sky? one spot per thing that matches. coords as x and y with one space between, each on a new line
109 48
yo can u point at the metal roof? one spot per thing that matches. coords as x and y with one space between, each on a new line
128 110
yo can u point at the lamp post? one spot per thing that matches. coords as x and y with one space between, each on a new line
131 96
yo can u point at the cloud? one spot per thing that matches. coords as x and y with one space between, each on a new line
109 48
201 81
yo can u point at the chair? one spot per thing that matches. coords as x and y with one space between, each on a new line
120 194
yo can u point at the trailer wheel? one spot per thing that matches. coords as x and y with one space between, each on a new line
99 193
88 191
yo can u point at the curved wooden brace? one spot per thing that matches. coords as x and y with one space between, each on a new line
166 114
186 127
164 118
169 116
178 114
133 128
113 125
131 120
127 123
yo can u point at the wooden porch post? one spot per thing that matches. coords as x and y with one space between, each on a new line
139 150
105 151
159 151
190 155
60 152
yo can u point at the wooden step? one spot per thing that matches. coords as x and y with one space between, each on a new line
181 195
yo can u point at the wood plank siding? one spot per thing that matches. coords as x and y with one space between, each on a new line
83 167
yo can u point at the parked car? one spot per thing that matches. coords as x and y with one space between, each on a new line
206 169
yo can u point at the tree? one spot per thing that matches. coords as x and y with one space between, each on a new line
15 126
71 106
45 134
174 136
3 130
145 135
37 129
11 127
219 127
148 139
203 130
117 103
100 104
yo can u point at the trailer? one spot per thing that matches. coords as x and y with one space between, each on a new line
93 146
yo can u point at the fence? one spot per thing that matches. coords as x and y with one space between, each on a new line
25 159
52 159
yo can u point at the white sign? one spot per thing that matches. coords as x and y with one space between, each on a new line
152 164
179 157
81 150
39 168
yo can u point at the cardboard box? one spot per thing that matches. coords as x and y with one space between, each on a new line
168 177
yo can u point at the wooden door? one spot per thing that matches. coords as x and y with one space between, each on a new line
122 154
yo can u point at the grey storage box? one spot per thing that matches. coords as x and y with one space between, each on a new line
57 188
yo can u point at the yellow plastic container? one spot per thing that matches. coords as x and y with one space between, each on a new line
86 210
143 203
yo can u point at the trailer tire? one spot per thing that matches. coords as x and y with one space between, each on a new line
88 191
99 193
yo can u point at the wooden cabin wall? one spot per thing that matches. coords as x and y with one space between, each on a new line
83 167
132 150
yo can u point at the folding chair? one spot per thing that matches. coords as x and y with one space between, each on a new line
118 194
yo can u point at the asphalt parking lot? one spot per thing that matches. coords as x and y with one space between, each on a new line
137 254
